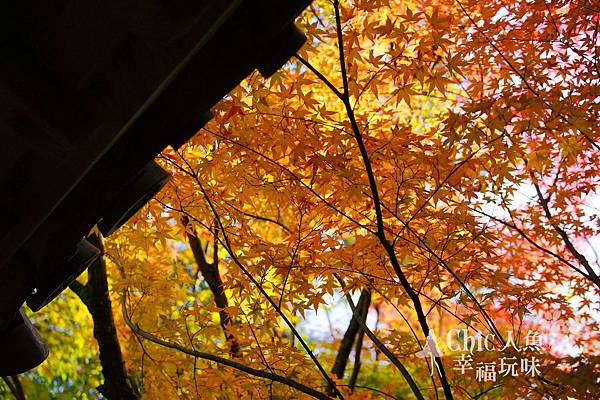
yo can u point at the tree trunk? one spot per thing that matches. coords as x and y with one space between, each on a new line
341 360
15 387
95 296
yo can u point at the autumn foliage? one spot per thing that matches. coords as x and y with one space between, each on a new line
420 168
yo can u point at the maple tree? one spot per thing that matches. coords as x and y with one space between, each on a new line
432 164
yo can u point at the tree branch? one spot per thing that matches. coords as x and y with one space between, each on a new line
526 82
224 361
210 272
591 274
227 244
524 235
81 291
358 347
394 360
377 202
341 359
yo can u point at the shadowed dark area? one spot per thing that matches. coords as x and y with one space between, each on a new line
90 92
